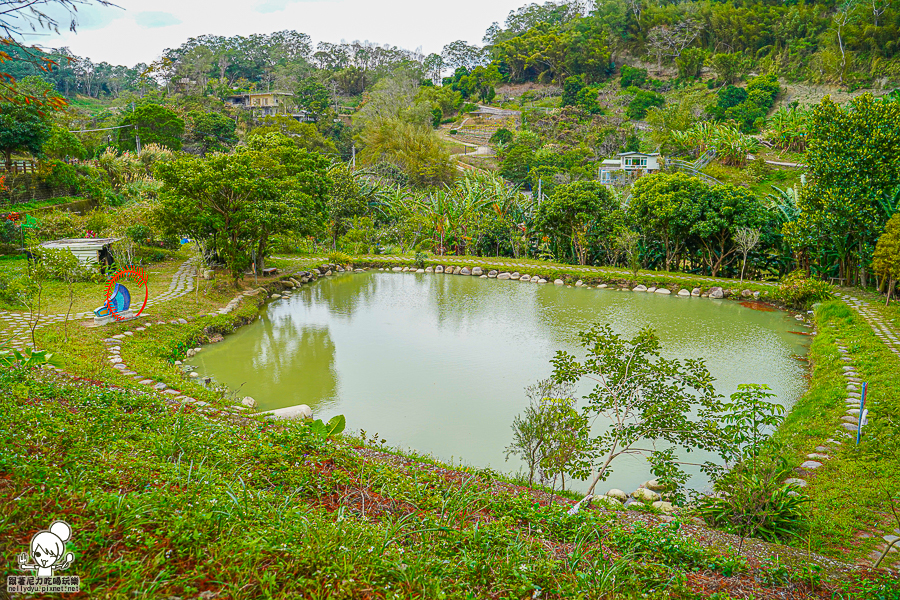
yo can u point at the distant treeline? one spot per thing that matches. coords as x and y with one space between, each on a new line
848 42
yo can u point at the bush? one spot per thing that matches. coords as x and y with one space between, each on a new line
642 101
800 292
631 76
753 502
468 107
139 234
501 136
339 258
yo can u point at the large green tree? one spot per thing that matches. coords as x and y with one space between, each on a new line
155 124
854 169
724 210
664 206
213 131
584 214
22 128
235 202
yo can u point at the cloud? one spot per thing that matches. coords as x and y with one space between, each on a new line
270 6
154 19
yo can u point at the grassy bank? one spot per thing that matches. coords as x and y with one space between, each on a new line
165 500
852 491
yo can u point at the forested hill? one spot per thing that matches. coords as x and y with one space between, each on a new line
850 43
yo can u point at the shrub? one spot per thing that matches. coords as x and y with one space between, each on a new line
753 502
339 258
139 234
642 101
631 76
801 292
501 136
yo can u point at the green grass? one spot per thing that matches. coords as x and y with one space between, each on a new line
165 500
38 204
851 491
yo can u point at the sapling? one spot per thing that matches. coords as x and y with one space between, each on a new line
645 397
746 239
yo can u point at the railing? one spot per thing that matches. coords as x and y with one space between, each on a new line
693 168
20 166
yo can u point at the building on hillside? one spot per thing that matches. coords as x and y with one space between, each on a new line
266 104
628 167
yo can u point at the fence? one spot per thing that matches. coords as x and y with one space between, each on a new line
20 166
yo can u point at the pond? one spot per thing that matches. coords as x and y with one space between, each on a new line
438 363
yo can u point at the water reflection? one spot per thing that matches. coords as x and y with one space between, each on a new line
438 363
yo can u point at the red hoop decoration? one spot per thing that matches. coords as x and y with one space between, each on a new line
136 275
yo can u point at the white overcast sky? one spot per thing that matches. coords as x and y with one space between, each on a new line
140 31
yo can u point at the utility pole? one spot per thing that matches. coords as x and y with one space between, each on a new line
137 138
353 158
539 191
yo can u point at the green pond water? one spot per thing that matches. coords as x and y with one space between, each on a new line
438 363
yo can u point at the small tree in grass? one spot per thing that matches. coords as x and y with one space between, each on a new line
646 398
65 266
551 435
746 239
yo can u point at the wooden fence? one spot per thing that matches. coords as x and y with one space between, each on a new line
20 166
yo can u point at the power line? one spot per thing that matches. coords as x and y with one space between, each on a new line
103 129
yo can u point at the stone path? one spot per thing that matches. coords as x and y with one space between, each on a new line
19 329
881 329
847 428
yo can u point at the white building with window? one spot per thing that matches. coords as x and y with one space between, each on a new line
628 166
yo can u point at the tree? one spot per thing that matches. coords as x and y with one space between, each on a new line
690 63
643 101
22 128
213 131
853 171
724 210
729 67
313 97
666 205
237 201
154 124
672 40
582 213
746 239
346 201
414 148
19 18
551 436
461 54
646 398
304 135
63 144
886 261
571 87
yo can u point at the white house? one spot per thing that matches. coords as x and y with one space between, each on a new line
628 166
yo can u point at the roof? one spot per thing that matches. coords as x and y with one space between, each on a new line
611 161
637 154
80 243
251 94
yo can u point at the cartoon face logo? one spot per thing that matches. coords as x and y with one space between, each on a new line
48 550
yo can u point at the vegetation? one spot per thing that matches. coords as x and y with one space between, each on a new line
356 164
